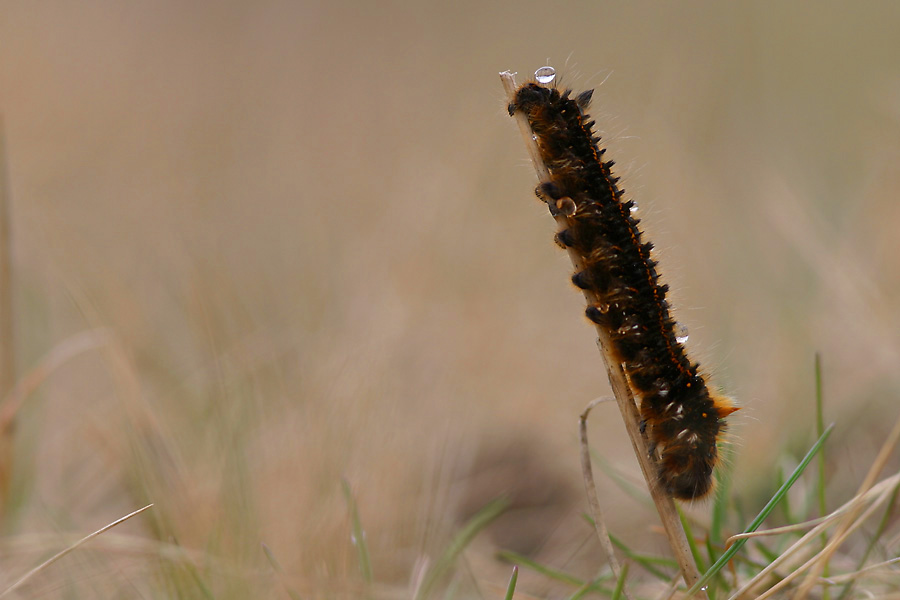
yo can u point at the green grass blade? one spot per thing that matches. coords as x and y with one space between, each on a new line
786 508
194 573
276 566
462 539
584 587
647 562
820 484
359 534
723 492
620 480
590 586
779 495
820 429
692 545
511 588
767 553
720 579
692 542
620 583
549 572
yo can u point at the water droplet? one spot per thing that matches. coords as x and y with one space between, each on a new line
353 539
545 75
634 207
681 333
566 206
534 137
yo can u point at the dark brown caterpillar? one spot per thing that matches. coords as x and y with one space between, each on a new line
682 418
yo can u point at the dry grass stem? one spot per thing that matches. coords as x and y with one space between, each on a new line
59 355
622 392
671 589
121 545
848 577
887 450
878 495
591 490
24 578
851 504
14 398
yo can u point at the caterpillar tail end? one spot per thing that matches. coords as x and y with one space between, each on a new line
686 472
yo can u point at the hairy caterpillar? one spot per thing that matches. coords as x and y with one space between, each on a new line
681 416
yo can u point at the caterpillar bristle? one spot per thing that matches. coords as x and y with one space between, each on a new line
583 100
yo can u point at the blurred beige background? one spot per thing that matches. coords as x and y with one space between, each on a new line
305 236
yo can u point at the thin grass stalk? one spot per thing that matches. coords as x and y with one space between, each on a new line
24 578
591 489
359 534
7 338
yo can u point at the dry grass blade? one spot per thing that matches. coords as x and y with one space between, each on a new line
671 589
847 577
62 352
816 559
15 397
665 506
877 496
591 489
843 531
827 519
24 578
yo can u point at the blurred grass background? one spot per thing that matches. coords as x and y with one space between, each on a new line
305 239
